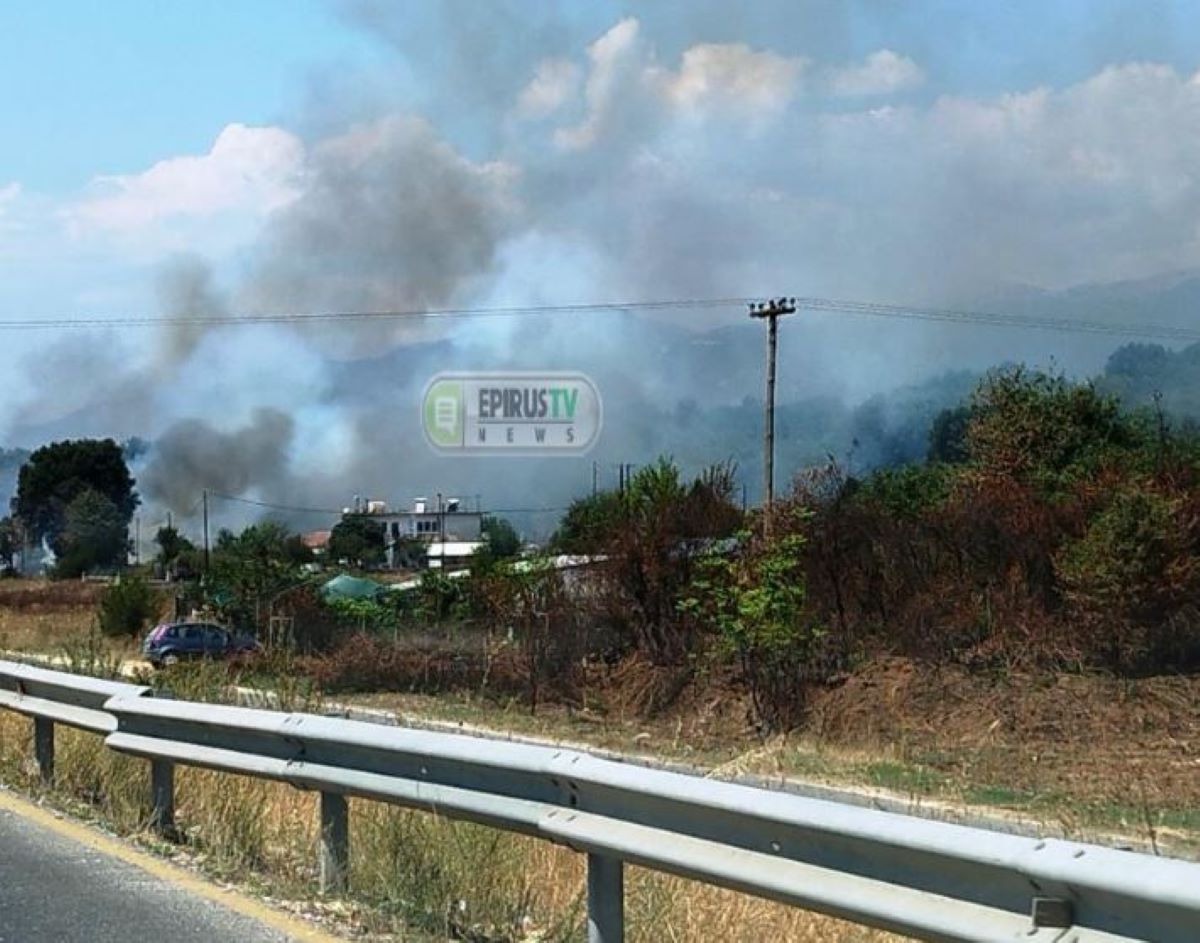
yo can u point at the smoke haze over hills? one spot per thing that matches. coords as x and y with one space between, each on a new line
507 154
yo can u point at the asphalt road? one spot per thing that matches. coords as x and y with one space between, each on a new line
55 889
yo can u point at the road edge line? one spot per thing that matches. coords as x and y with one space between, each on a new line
293 927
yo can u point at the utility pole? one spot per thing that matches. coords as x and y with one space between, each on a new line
441 534
595 478
625 475
137 540
206 554
771 310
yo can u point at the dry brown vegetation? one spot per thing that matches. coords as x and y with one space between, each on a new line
1084 755
40 615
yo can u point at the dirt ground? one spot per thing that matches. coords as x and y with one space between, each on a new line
1080 755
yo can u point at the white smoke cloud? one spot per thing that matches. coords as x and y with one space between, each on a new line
734 76
626 84
613 75
249 171
882 73
555 82
921 202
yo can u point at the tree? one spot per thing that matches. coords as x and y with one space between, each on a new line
500 538
128 606
589 524
251 569
10 541
755 603
948 435
176 554
650 534
171 544
56 474
94 535
1041 428
358 539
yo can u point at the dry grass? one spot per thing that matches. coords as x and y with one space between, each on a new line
1084 756
56 617
413 875
40 615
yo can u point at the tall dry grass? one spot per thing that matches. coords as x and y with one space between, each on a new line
412 875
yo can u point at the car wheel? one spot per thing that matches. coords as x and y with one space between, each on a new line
169 660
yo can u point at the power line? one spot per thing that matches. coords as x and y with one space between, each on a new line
302 317
833 305
274 506
525 510
998 319
270 505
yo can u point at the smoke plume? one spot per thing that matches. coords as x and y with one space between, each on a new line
551 156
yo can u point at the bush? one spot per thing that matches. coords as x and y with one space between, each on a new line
365 662
755 603
1131 579
128 606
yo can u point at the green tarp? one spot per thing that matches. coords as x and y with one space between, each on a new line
351 587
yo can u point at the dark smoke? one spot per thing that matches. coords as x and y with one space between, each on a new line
186 288
391 218
192 456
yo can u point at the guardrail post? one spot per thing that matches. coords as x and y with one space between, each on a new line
606 899
162 796
335 842
43 747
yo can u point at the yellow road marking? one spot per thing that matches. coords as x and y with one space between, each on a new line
295 928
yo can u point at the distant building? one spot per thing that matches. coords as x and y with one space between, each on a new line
433 533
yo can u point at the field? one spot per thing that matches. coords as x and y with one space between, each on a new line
41 615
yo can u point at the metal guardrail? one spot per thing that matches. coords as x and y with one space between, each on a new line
931 880
56 697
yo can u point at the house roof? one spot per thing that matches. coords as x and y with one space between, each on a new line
316 539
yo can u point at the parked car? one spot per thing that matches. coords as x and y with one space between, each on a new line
171 642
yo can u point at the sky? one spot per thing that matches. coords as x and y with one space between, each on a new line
207 159
139 130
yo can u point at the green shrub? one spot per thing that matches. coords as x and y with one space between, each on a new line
128 606
755 602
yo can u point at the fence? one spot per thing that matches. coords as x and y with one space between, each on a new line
927 879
